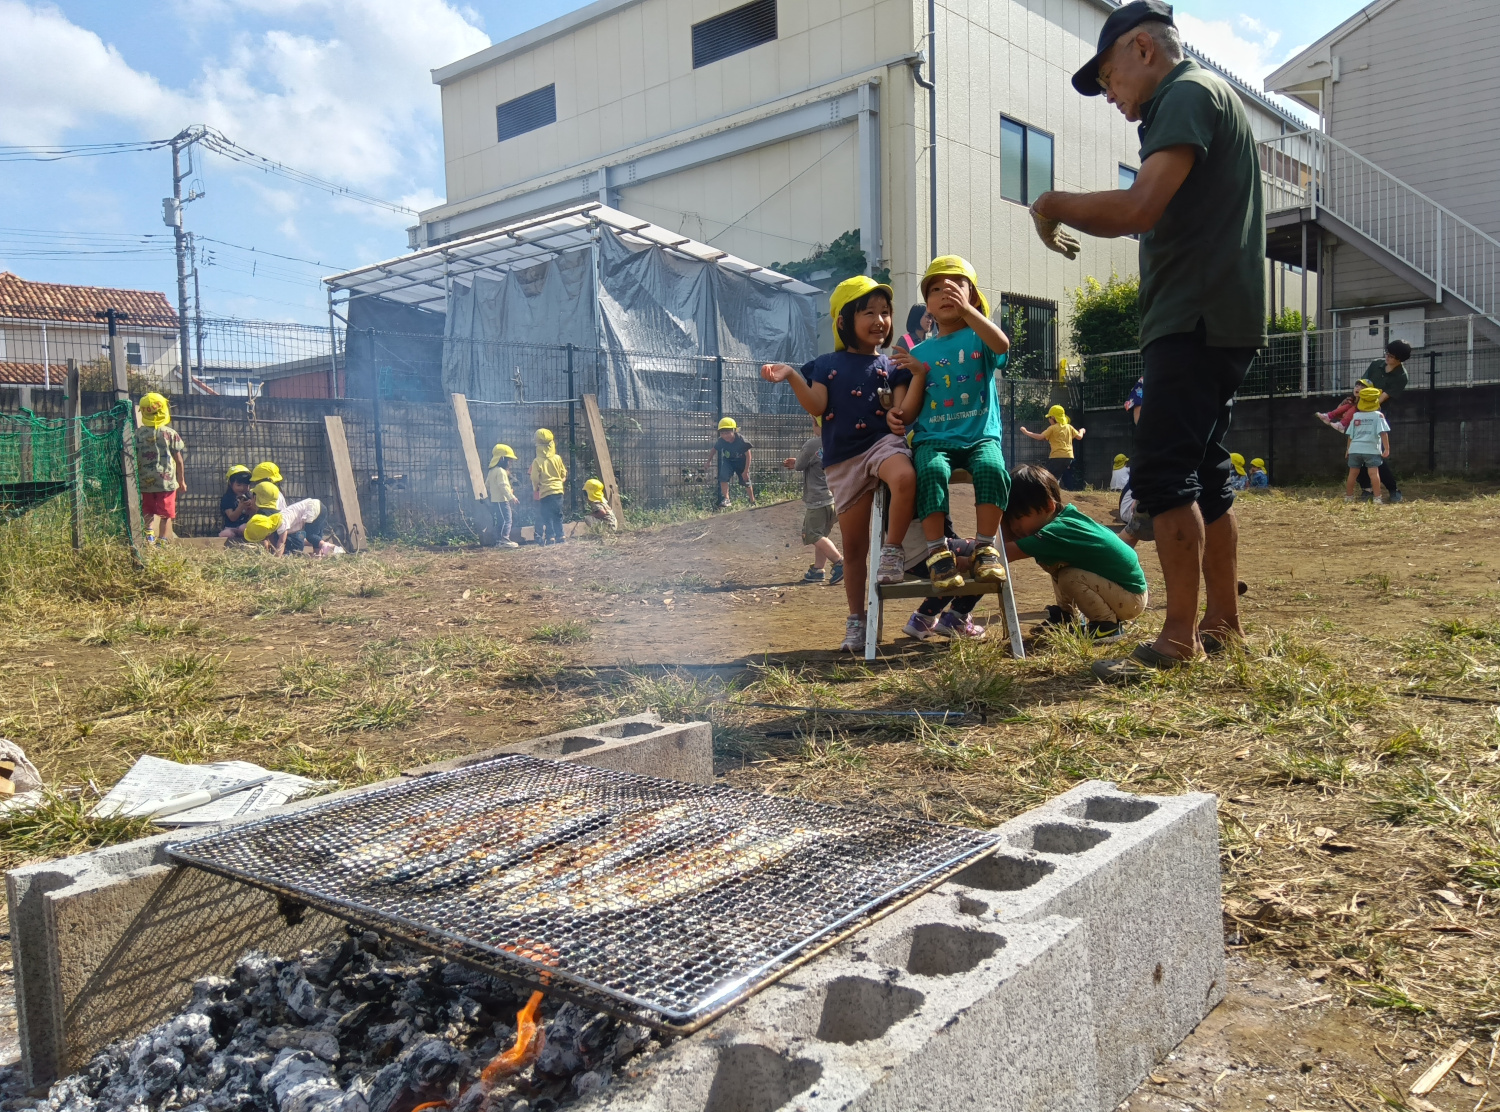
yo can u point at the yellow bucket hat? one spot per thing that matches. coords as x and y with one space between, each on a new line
852 289
1121 460
728 423
953 265
1058 414
261 526
237 471
1258 462
264 471
544 436
154 410
594 490
1369 399
502 451
1238 461
266 495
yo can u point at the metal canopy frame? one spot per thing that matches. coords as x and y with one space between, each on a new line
422 277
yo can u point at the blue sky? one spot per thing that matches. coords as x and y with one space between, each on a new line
338 88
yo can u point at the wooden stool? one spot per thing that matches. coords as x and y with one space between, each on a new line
913 587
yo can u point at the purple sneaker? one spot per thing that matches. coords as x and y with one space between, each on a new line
920 626
958 625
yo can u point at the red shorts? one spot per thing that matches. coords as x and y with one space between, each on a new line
159 503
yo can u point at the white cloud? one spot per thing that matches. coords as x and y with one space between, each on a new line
341 90
1246 48
56 76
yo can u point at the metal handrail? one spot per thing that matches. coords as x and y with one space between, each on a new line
1442 246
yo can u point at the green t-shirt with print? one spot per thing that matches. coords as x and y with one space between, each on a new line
1205 259
1073 539
960 406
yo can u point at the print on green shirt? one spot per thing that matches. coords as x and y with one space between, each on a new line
960 406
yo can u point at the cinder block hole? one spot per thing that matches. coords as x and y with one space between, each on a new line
856 1009
968 905
628 729
1117 808
1004 874
579 744
1059 837
940 950
753 1078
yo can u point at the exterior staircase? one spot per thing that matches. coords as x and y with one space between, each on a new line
1311 179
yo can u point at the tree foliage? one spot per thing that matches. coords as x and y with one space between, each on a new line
1106 316
843 258
1288 320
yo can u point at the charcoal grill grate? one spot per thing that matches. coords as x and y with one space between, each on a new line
667 899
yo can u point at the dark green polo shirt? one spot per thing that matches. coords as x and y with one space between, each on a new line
1205 259
1392 382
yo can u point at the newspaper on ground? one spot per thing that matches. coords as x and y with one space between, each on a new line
153 781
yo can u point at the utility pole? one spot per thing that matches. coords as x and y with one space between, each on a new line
197 306
171 214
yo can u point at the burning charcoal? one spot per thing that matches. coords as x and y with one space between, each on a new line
356 1016
300 997
300 1082
630 1039
162 1073
586 1083
387 1038
423 1072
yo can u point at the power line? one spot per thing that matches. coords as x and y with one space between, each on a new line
36 153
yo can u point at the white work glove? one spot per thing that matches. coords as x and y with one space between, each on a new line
1050 232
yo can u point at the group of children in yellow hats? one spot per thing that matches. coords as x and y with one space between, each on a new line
253 509
911 419
549 477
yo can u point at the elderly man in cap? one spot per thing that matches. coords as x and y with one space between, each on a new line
1197 206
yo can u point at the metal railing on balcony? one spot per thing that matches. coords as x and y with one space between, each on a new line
1311 170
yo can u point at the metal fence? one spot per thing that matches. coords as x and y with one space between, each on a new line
1447 353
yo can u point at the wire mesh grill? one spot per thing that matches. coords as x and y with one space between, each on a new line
672 898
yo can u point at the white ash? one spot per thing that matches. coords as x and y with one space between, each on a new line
364 1025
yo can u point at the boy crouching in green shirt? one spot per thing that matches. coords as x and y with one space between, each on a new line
1093 571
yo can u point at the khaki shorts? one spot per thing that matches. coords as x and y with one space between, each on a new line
851 479
817 523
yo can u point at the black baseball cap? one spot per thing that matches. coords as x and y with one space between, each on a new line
1122 19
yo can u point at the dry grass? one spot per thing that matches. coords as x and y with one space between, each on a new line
1360 828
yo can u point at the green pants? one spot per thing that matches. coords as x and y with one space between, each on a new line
936 463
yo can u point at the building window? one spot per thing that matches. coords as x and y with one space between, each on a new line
1025 162
132 353
1127 176
734 32
1031 324
527 113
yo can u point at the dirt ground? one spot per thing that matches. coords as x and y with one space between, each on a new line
1353 745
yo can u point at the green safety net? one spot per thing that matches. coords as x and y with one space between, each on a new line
42 463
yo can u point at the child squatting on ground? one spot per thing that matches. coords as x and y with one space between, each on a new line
852 389
733 454
502 494
954 415
549 476
599 510
237 504
818 516
1092 570
1369 443
158 458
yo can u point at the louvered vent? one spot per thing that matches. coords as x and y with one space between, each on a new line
527 113
734 31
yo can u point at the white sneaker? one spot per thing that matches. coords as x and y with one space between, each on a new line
892 568
854 634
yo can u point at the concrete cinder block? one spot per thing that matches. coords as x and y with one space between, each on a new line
1141 873
642 744
108 943
925 1010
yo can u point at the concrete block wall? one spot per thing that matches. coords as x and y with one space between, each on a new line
107 944
1052 975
